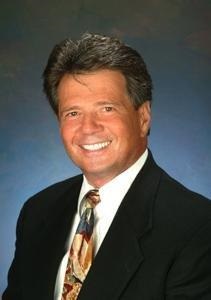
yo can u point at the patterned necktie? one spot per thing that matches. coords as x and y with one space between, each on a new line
81 252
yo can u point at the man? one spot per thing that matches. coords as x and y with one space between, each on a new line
151 236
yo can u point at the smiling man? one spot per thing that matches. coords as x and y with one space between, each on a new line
123 229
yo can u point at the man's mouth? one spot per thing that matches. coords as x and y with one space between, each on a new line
96 146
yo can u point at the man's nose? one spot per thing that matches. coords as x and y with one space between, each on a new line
90 123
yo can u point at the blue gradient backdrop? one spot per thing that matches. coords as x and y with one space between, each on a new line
174 37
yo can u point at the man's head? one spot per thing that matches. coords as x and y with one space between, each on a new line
101 92
96 52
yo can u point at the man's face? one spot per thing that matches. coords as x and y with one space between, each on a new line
102 132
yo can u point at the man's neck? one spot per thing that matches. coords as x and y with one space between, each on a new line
98 181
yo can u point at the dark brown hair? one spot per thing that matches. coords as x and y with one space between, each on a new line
96 52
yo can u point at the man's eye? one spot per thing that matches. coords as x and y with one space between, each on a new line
71 114
108 108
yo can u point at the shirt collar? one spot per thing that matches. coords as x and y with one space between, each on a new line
117 187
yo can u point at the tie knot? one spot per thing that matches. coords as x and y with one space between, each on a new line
90 200
93 197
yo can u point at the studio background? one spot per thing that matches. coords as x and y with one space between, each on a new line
174 38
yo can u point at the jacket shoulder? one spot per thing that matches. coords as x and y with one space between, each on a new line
178 208
172 189
52 194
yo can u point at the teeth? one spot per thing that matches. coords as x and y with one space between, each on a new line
94 147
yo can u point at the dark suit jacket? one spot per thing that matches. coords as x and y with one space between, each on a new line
158 246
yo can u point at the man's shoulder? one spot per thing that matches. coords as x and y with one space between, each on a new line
61 185
170 186
54 192
174 202
177 205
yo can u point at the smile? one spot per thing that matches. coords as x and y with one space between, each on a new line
97 146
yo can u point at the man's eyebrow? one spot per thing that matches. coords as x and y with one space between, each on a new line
68 108
108 102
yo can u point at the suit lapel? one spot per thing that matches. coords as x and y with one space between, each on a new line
120 254
47 250
62 225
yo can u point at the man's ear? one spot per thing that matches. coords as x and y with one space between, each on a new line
144 112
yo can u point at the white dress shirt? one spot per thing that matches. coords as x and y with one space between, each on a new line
111 196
